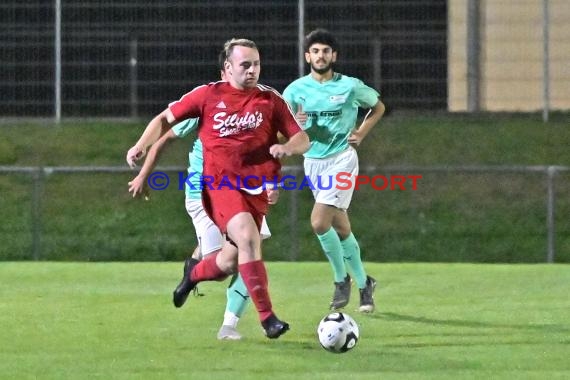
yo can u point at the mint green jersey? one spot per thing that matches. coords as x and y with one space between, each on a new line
331 108
195 159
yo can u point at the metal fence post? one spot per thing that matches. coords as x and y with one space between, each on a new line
293 215
377 62
550 214
57 63
545 61
293 220
473 56
301 37
133 52
36 212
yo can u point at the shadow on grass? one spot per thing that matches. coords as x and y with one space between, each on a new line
552 328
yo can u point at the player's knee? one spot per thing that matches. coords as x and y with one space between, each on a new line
343 232
320 226
226 266
248 243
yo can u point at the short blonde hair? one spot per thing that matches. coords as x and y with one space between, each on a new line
230 44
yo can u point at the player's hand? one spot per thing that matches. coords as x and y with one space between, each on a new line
138 187
355 138
279 150
272 196
133 155
301 116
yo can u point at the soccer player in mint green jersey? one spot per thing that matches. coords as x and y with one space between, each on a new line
327 106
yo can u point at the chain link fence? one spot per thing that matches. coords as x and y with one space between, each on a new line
129 58
455 214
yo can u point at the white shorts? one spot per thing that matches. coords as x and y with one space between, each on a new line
208 234
324 174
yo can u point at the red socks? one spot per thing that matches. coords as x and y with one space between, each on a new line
207 270
254 276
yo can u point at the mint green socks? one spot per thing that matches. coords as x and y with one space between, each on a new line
330 242
351 251
237 296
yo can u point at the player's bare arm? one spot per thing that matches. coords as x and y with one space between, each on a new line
155 128
138 184
370 120
297 144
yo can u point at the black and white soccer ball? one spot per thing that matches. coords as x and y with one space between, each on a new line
338 332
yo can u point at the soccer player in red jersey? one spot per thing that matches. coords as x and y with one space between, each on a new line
239 125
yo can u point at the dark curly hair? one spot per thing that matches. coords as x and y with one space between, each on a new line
320 36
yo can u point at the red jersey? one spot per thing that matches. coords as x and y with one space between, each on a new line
237 128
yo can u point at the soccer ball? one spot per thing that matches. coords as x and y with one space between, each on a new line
338 332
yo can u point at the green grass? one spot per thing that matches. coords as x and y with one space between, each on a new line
399 139
434 321
458 139
474 217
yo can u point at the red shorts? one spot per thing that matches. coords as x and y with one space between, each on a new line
223 204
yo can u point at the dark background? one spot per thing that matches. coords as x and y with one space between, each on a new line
177 44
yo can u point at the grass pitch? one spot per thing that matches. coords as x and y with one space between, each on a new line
433 321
